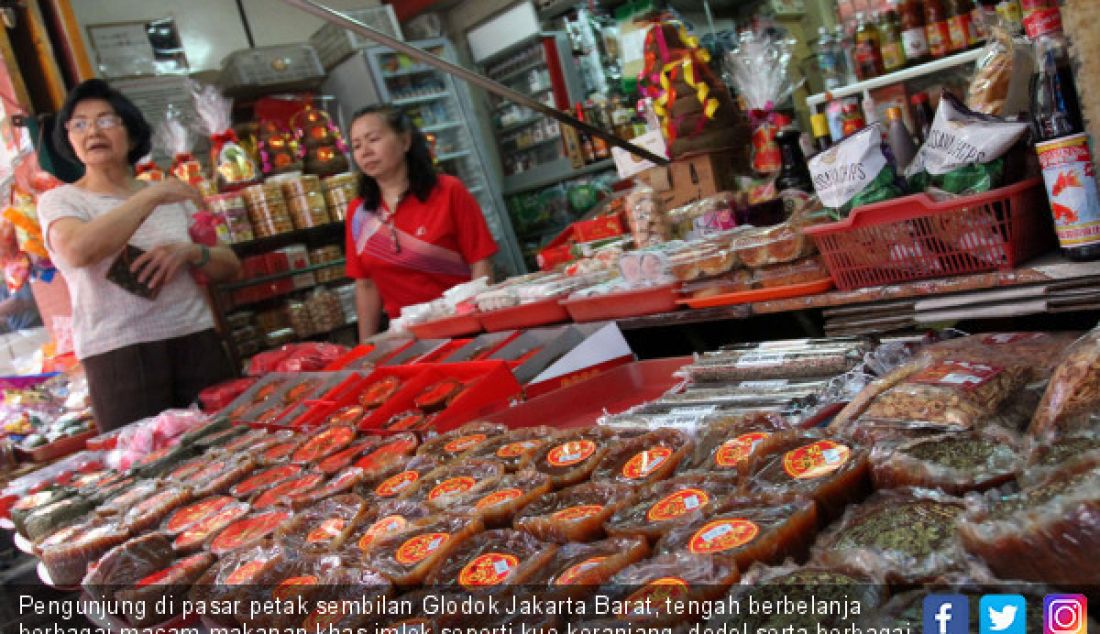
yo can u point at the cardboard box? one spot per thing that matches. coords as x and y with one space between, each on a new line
702 175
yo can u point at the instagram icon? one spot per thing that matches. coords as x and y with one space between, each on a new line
1065 614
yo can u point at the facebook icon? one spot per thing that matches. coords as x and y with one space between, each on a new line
946 614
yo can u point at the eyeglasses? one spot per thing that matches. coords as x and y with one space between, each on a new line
103 122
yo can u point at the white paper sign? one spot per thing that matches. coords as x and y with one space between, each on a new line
629 164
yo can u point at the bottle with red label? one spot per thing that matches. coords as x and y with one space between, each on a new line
868 52
958 25
893 49
913 37
935 27
852 120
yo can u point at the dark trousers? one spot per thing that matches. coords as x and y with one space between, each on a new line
145 379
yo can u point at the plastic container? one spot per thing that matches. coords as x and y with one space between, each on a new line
541 313
305 201
267 210
232 213
646 301
915 237
339 191
761 295
455 326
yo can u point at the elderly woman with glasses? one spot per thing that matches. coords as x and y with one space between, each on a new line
148 350
407 249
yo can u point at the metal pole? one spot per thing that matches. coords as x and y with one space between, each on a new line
339 19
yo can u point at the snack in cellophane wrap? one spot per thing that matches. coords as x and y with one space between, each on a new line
340 483
801 271
1073 392
733 444
345 457
747 530
263 480
158 597
393 450
832 471
232 579
575 514
905 536
45 520
67 553
248 531
496 505
280 453
572 457
780 244
1047 460
667 580
1002 84
323 527
232 165
338 606
126 498
404 481
154 508
442 486
299 580
323 443
645 217
1049 532
491 559
953 463
407 556
666 504
281 494
515 449
126 563
858 170
32 502
775 360
578 568
382 520
459 441
195 536
220 474
647 458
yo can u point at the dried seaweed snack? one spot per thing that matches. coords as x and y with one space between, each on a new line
1045 461
349 415
1043 533
516 448
185 517
382 520
835 593
345 457
576 514
163 589
392 450
664 505
221 474
747 530
578 569
31 502
341 483
953 463
498 504
322 443
406 557
324 527
282 493
491 559
756 364
150 511
67 553
263 480
732 445
248 531
404 481
648 458
444 485
377 393
126 563
459 441
1074 389
904 536
644 591
572 457
834 472
196 536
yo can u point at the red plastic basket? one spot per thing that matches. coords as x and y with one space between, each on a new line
915 237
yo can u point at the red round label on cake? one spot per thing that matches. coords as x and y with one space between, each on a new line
577 512
246 573
489 569
647 601
158 577
347 478
323 444
406 422
279 451
340 459
204 528
645 462
465 443
288 588
575 573
570 453
246 531
275 494
329 530
350 414
452 486
189 515
734 451
676 504
815 460
382 527
396 484
419 548
963 375
722 535
498 497
517 449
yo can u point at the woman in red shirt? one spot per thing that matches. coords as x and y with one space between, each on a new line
411 233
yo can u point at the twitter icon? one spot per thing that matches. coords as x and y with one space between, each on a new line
1002 614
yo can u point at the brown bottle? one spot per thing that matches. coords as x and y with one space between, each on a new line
935 26
958 25
893 50
588 148
868 54
913 36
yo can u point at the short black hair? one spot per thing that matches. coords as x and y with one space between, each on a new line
418 158
137 128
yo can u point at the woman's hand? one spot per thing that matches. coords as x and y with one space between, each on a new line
173 190
162 264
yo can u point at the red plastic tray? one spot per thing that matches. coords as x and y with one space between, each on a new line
761 294
541 313
448 327
915 237
613 391
647 301
60 447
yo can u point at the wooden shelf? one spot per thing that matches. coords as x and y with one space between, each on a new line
258 281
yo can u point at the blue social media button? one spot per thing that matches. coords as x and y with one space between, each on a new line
946 614
1002 614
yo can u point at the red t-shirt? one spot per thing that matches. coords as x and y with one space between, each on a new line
449 218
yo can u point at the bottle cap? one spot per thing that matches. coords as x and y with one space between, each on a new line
893 113
919 98
1043 22
820 125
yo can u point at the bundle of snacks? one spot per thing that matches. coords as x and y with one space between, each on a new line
576 566
496 505
576 514
407 556
854 172
491 559
1074 389
793 359
661 506
953 463
645 459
